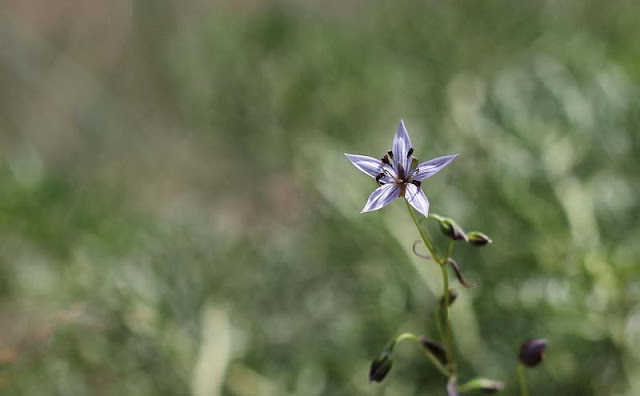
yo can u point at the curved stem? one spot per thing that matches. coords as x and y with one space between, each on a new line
521 380
429 355
415 251
406 336
448 341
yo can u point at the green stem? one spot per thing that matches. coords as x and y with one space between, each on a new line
448 341
447 302
451 364
429 355
439 322
523 383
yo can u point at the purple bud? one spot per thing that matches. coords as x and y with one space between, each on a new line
380 366
478 239
436 349
451 229
532 351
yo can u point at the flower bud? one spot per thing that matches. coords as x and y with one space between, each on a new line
453 294
532 351
380 366
478 239
436 349
451 229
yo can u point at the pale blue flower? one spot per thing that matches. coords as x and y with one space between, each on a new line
399 174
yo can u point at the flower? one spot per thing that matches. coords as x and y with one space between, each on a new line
399 174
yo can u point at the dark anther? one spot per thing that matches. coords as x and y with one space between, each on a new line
385 160
417 183
410 152
378 178
390 154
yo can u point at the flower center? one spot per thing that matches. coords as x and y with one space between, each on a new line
402 178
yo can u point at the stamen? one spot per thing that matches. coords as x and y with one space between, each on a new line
385 160
390 154
410 152
417 183
392 177
380 176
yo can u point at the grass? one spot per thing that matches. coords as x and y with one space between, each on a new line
174 199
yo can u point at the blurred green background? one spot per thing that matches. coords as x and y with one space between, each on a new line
177 216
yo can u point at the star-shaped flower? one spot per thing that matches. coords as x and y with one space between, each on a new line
399 174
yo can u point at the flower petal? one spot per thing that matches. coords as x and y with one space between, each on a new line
400 148
431 167
381 196
417 199
369 165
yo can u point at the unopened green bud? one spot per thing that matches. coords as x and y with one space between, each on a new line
451 229
532 351
436 349
380 366
478 238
